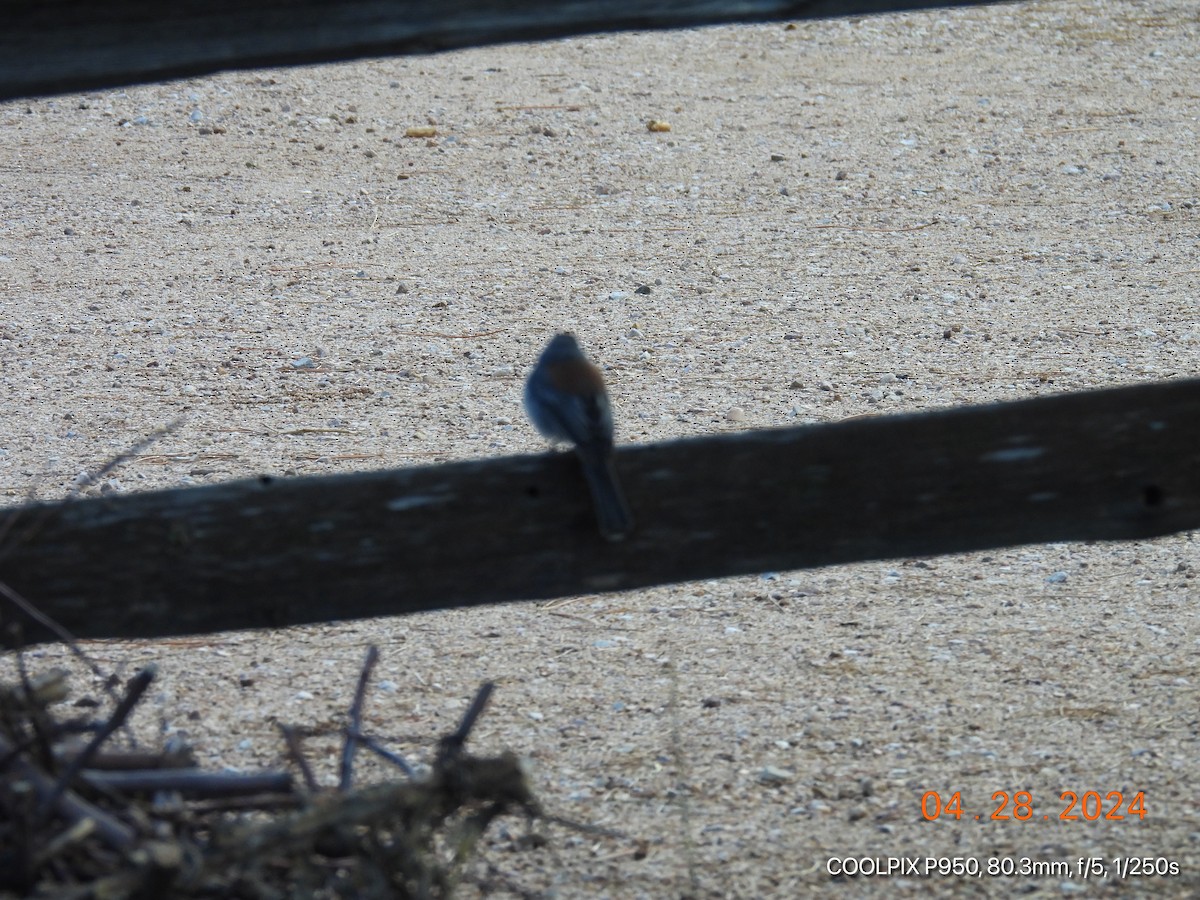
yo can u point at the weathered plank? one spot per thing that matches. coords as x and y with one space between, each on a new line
1115 464
72 45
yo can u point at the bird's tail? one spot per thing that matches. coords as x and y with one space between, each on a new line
612 512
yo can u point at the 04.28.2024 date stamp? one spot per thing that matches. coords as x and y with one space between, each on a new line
1019 806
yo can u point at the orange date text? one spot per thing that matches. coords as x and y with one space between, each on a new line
1019 806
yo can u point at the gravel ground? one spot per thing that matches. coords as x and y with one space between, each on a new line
859 216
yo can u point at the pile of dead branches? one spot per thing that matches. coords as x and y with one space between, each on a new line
80 819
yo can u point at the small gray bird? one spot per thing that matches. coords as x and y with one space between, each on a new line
566 399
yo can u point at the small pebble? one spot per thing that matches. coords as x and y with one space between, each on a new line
1056 578
304 362
773 775
736 414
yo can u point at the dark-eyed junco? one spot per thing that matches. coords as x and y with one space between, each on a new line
566 399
